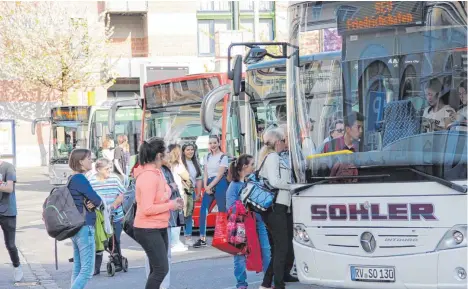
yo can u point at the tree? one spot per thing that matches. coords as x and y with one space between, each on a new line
44 44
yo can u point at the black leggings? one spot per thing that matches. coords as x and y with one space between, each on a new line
279 222
8 225
155 243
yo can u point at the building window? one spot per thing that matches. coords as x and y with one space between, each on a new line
206 35
266 29
265 6
222 6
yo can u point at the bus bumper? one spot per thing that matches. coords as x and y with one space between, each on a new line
435 270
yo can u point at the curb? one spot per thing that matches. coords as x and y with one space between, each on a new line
34 269
218 256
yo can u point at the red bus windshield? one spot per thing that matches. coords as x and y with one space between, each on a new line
181 91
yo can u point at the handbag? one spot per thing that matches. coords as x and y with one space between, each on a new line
129 219
253 260
236 225
221 239
258 194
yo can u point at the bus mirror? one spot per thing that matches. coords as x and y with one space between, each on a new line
36 121
256 54
237 75
33 127
98 129
209 103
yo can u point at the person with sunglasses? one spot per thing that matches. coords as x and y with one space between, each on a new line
335 131
353 124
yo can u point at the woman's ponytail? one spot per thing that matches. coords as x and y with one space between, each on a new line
233 172
150 149
237 165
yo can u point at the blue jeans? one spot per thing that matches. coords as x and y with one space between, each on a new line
84 249
240 262
219 195
189 222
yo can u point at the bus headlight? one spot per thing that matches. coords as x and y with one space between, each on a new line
301 236
454 238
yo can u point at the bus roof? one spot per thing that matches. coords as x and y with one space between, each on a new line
304 58
187 77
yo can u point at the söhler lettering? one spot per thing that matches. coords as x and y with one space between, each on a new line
374 212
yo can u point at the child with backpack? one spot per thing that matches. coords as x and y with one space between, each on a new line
239 169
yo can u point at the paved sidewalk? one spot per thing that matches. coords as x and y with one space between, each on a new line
37 248
30 279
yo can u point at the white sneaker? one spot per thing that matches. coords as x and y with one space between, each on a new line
179 248
18 275
189 242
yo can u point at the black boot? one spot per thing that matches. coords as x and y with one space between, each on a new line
97 264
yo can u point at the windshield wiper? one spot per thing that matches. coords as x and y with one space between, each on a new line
444 182
324 180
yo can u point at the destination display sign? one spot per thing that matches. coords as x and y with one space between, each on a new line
70 113
179 92
123 114
374 15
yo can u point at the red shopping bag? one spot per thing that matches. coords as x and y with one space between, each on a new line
254 254
221 238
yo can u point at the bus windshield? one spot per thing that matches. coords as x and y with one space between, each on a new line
182 125
127 123
66 136
395 98
173 109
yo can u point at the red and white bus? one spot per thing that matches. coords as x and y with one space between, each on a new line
171 110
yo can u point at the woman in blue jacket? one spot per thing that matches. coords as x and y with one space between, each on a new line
86 199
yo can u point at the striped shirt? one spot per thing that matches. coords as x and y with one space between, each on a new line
109 190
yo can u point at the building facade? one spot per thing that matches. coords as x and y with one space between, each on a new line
157 34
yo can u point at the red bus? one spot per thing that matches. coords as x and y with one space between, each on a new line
171 110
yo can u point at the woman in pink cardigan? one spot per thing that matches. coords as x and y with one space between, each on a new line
153 206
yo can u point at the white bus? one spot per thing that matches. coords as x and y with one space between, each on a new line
68 130
112 119
384 205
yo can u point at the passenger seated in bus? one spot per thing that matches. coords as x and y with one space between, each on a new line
66 147
462 112
336 130
353 123
438 115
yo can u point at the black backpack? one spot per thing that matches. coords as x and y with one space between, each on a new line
60 214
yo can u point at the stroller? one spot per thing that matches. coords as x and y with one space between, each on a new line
116 261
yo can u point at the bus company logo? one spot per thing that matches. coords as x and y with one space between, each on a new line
368 242
374 212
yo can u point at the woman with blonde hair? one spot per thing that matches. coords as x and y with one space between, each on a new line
107 152
279 176
182 180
